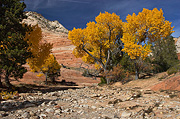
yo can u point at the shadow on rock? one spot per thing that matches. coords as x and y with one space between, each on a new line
14 105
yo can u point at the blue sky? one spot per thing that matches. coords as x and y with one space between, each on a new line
76 13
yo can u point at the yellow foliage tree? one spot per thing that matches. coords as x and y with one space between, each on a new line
51 68
42 61
40 49
143 29
97 42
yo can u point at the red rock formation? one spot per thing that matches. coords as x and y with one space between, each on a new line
62 49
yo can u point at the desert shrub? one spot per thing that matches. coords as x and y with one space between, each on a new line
163 77
86 73
118 73
103 81
173 70
5 95
127 63
146 66
157 68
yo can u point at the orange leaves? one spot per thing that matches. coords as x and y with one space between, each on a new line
109 20
76 34
51 65
133 49
144 28
42 61
149 22
39 49
93 41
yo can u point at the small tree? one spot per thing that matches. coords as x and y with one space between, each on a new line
42 60
51 68
39 49
141 30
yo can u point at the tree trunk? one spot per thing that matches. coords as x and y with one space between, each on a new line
106 77
136 70
107 80
8 84
0 81
137 74
46 78
52 79
106 66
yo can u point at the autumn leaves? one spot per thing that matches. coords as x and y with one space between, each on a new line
98 38
42 61
97 42
143 29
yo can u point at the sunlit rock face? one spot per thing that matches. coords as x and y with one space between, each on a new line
34 18
55 33
177 43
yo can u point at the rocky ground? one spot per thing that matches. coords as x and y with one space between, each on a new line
106 102
146 98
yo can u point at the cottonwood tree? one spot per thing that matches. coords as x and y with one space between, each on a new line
13 47
99 41
42 61
141 30
51 68
40 49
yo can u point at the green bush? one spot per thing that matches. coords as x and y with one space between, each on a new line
164 55
103 81
173 69
86 73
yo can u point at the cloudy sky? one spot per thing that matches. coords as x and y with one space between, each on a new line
76 13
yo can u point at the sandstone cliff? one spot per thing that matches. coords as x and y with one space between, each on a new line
34 18
177 43
55 33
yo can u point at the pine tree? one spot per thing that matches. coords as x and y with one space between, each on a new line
13 47
164 54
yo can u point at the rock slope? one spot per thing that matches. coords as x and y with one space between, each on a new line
177 43
53 32
34 18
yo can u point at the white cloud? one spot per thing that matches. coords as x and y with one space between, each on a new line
75 1
43 4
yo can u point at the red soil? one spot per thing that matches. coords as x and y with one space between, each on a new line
62 49
168 84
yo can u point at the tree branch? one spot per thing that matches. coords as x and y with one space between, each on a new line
108 58
95 58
